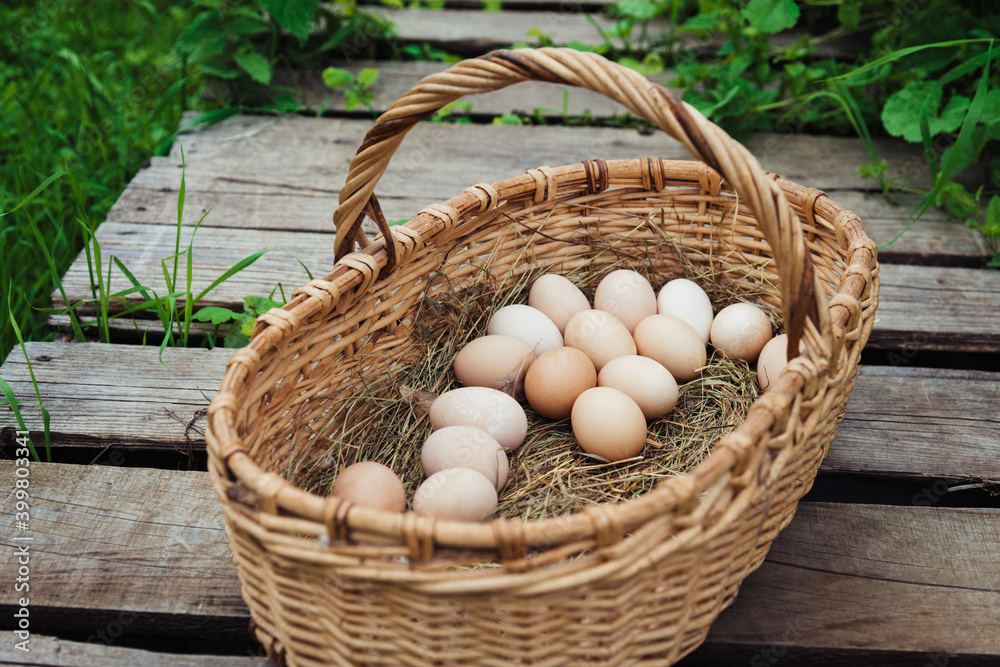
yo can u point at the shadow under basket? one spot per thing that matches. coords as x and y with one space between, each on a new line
636 581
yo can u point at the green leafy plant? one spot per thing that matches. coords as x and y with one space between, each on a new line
357 90
240 324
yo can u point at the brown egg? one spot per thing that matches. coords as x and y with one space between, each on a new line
558 298
555 380
772 360
461 447
600 335
673 343
372 485
498 362
627 295
456 494
609 424
644 380
740 331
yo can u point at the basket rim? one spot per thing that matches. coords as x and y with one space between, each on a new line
358 271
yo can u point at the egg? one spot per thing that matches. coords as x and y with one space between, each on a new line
499 362
558 298
687 300
674 344
772 360
456 494
503 469
627 295
529 324
370 484
740 331
609 424
487 409
461 447
555 380
600 335
645 381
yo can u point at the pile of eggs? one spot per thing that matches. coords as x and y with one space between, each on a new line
608 368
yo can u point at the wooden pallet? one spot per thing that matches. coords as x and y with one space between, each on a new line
894 558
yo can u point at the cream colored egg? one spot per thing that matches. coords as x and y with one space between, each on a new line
503 469
627 295
498 362
674 344
556 379
772 360
370 484
740 331
558 298
456 494
486 409
529 324
645 381
609 424
600 335
461 447
687 300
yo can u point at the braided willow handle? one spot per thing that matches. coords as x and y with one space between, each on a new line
802 295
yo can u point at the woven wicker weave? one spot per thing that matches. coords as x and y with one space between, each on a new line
636 581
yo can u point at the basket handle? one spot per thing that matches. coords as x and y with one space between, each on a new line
802 296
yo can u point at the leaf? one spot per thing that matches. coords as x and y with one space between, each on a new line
367 77
351 99
849 14
640 10
772 16
215 315
701 22
901 113
294 15
256 65
34 193
256 305
992 225
335 77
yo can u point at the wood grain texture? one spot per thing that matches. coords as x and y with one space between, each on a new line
856 577
938 308
895 423
869 578
55 652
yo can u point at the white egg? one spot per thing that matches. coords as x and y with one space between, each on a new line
529 324
686 300
486 409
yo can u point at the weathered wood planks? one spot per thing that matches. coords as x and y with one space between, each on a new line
150 544
895 424
55 652
921 307
144 547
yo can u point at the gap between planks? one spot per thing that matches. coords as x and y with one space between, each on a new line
839 578
895 422
55 652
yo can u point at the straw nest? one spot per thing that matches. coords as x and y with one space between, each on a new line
384 417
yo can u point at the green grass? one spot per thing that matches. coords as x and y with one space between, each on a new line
95 97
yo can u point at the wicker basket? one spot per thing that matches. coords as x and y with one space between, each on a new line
622 583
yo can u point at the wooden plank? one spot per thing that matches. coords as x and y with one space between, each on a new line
840 576
920 307
143 547
116 395
895 423
472 33
935 308
396 78
868 580
898 418
55 652
311 155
